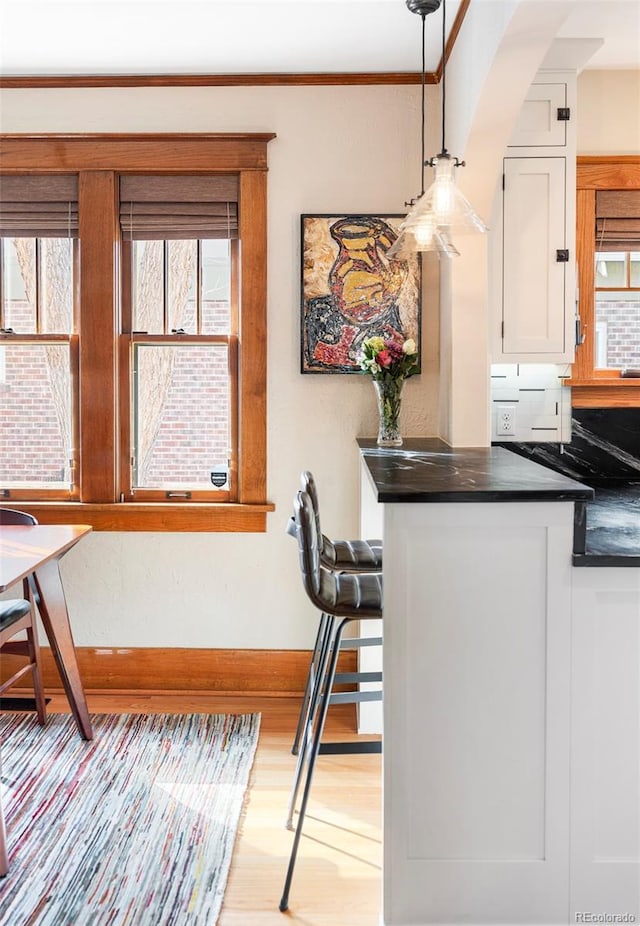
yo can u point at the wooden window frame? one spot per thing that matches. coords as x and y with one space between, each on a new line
591 387
99 159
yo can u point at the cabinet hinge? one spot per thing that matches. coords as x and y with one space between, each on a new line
502 330
564 114
503 181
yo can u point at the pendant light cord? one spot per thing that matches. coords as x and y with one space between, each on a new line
444 70
422 160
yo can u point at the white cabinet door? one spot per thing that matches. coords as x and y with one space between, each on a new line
477 601
533 272
605 725
542 121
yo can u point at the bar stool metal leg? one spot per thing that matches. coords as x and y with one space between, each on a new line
341 677
315 748
311 680
315 700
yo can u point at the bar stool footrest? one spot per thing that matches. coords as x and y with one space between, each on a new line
354 677
357 642
339 749
354 697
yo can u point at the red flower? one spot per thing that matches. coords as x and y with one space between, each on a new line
395 349
384 359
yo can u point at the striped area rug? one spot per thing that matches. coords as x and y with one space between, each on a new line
136 827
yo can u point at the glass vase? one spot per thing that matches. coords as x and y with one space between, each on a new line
389 396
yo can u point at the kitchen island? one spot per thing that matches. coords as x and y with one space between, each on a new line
486 820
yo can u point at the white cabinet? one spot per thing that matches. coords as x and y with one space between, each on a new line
476 713
543 117
511 785
534 256
532 260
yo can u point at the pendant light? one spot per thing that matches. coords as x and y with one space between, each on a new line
443 209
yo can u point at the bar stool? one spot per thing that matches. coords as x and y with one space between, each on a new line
341 597
342 555
351 556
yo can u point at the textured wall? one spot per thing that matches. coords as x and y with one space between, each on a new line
337 150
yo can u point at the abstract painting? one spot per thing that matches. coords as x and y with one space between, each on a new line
352 291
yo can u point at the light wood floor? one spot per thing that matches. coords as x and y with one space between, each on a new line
337 881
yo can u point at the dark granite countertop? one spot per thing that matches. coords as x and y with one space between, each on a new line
609 532
429 470
604 452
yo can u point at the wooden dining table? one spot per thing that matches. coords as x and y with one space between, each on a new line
34 552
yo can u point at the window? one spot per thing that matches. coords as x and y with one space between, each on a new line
136 371
38 401
608 267
179 325
183 351
617 309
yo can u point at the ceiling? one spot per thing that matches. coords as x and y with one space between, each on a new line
182 37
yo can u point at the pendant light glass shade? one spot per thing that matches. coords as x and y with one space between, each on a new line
449 207
419 233
436 215
442 210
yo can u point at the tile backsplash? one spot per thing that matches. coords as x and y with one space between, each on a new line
530 403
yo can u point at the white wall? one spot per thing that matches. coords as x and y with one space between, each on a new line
338 149
495 58
609 112
342 149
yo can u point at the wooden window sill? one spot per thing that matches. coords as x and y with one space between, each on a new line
606 381
153 516
612 392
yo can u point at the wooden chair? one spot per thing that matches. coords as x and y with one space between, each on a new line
17 615
11 516
4 860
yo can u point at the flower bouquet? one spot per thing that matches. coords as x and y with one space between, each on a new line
389 362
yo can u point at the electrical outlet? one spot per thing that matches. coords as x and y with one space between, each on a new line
506 420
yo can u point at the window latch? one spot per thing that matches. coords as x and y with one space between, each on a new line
178 331
7 331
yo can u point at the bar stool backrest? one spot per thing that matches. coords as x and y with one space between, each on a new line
308 485
308 546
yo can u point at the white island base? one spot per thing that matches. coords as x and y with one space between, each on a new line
481 720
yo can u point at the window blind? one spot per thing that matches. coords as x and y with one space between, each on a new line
618 220
178 207
38 206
